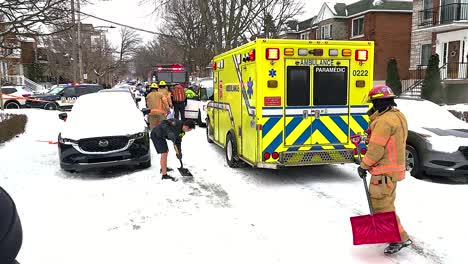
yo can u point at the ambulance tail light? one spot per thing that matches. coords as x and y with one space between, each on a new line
355 151
363 151
214 66
272 54
252 55
361 55
266 155
275 155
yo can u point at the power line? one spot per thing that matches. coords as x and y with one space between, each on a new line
123 25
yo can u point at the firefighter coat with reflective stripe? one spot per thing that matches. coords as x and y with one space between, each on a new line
386 150
157 102
179 94
167 95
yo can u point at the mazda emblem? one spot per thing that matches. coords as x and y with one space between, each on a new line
103 143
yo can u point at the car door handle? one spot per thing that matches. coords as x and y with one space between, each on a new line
305 114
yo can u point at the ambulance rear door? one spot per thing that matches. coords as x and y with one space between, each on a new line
330 100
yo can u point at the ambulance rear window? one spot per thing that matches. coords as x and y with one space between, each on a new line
330 85
298 86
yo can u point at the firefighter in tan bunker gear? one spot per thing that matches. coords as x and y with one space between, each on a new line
157 102
163 89
385 157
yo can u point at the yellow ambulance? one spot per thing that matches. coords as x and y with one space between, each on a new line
281 103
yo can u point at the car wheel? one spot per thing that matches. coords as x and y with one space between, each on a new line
199 120
232 157
208 131
145 165
12 105
51 106
413 164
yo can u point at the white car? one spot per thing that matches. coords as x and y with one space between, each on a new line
104 130
196 107
14 96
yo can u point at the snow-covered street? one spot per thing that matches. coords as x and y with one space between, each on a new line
222 215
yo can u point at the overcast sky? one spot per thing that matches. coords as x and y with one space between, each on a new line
129 12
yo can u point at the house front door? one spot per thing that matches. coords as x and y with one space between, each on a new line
453 59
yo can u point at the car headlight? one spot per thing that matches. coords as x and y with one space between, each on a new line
138 135
67 141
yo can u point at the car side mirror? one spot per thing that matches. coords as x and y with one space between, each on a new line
138 100
145 111
63 116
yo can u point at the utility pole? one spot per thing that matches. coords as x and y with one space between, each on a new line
73 35
80 52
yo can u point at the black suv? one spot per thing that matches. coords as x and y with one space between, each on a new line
62 97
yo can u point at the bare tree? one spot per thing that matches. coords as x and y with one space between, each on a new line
190 34
230 22
31 18
129 42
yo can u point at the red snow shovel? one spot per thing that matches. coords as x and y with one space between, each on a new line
375 228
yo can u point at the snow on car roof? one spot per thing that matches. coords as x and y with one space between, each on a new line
100 101
423 113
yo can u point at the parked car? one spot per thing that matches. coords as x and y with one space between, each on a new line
196 107
14 97
62 97
104 130
437 141
126 90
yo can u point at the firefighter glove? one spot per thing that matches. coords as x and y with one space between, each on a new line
362 172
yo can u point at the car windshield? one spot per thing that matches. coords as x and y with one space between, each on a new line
56 90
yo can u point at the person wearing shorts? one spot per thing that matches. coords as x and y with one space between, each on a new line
174 130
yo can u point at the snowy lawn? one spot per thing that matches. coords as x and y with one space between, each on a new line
223 215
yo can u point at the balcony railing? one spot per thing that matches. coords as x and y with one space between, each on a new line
454 71
442 15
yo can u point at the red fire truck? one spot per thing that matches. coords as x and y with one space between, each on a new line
172 74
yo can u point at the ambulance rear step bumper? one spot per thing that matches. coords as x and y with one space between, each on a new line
316 157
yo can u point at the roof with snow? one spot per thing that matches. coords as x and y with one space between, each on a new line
365 5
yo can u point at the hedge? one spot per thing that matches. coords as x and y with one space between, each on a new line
11 125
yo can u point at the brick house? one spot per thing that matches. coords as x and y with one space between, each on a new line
386 23
331 22
440 26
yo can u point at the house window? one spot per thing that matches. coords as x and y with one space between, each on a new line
426 51
358 27
326 32
305 35
427 6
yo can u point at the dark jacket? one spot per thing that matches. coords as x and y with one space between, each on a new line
11 232
171 129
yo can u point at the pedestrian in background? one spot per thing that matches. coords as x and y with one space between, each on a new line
179 101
